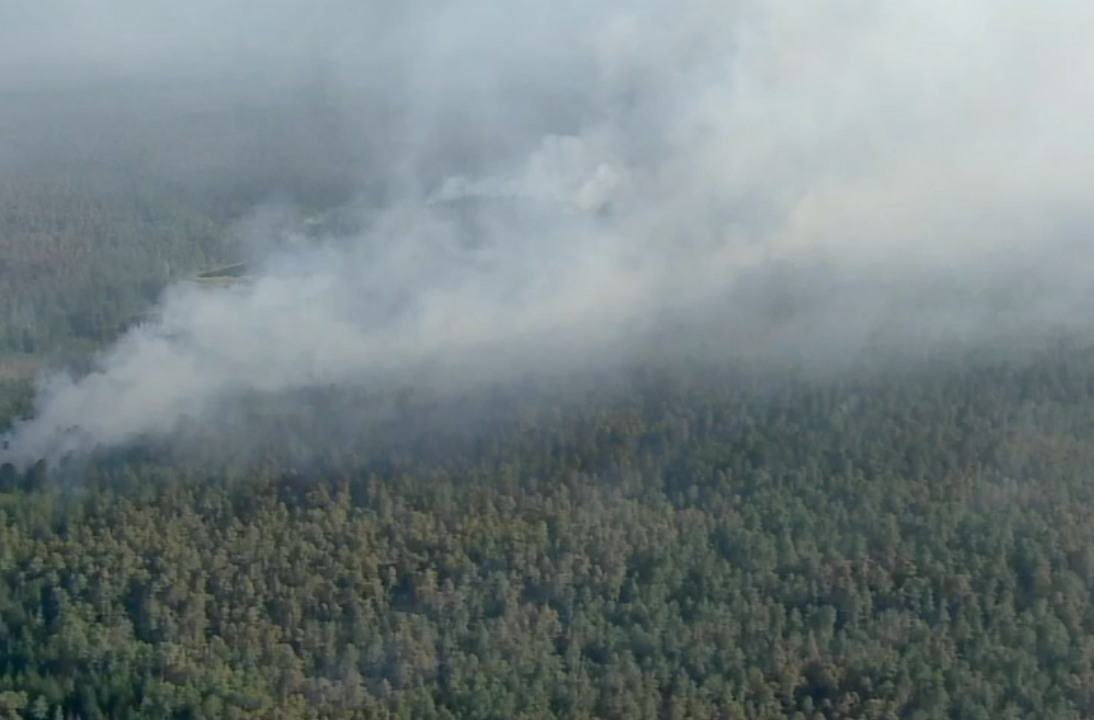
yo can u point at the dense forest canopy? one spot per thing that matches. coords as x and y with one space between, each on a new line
734 544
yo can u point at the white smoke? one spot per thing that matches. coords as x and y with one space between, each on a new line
909 148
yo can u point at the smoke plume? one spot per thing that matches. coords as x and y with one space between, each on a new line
565 186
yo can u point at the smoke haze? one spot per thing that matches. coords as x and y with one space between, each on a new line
568 186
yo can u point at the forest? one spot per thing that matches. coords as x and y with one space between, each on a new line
715 540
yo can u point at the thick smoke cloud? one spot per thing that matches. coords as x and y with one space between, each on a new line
564 186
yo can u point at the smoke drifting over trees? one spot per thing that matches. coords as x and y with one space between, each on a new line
565 186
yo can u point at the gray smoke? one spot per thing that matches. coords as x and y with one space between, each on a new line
569 185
